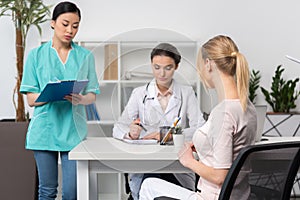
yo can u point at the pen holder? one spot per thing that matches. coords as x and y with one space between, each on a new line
163 131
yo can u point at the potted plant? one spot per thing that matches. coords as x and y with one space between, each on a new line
283 93
261 110
18 169
24 13
178 137
282 98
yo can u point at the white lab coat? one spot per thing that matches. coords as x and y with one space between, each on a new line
143 104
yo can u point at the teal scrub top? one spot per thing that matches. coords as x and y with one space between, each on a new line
57 126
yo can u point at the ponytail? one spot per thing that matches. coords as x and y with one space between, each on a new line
242 79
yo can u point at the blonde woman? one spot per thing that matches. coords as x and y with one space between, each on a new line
230 126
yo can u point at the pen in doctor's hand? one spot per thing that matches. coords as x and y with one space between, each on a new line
134 131
138 122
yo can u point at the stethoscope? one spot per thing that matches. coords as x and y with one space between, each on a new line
146 98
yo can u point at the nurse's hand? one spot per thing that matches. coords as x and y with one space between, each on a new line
75 99
32 97
135 130
154 135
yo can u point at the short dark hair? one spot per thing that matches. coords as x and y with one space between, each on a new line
166 49
65 7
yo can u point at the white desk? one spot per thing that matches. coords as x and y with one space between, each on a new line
108 155
277 139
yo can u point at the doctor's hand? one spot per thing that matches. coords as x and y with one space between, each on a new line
135 130
154 135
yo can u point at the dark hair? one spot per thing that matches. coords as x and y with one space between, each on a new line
65 7
166 49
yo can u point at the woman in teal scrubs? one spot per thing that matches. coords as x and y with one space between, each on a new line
57 127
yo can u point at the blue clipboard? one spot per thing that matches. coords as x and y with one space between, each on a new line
58 90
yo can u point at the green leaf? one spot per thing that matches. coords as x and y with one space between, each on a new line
24 14
254 84
282 96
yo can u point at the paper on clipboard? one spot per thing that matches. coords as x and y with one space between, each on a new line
140 141
293 59
56 91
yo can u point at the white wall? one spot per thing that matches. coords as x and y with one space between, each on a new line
265 31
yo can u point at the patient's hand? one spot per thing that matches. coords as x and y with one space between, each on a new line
154 135
185 154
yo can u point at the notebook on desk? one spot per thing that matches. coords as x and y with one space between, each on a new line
56 91
141 141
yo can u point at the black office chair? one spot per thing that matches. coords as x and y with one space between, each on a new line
273 168
268 169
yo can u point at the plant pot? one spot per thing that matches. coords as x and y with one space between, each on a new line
261 111
17 170
178 140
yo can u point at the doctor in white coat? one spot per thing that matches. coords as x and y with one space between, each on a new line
157 104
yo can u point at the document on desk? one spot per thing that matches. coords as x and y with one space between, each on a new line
141 141
56 91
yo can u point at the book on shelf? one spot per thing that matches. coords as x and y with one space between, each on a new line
111 62
92 112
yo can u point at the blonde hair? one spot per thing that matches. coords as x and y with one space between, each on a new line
224 52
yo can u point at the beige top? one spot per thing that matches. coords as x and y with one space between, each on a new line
163 98
221 138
